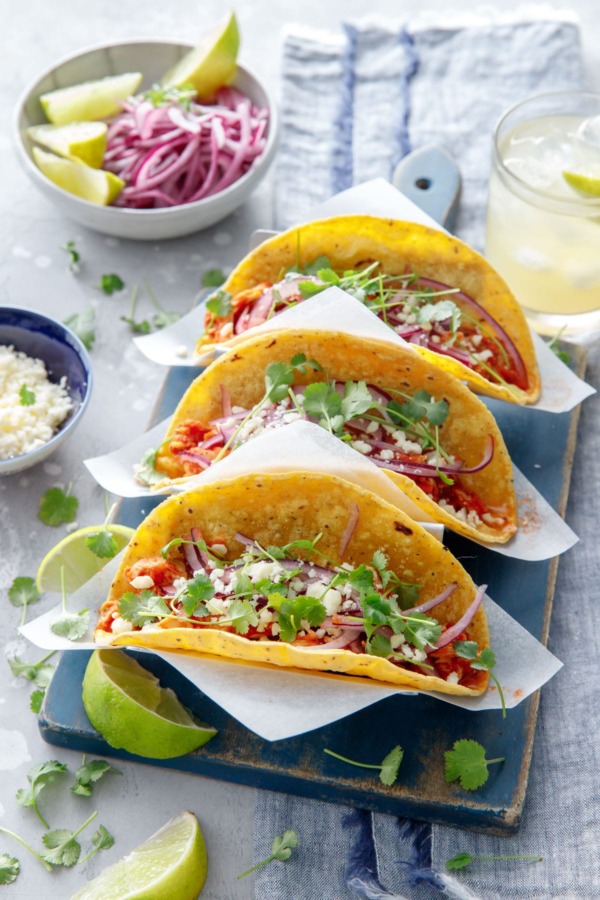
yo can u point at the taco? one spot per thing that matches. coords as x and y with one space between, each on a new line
433 437
301 570
431 288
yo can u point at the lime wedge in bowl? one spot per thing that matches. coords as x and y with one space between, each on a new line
90 100
211 64
126 704
585 184
169 865
81 141
94 185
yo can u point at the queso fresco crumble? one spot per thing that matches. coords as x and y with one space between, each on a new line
31 406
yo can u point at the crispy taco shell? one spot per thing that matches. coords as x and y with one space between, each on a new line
353 242
277 509
344 357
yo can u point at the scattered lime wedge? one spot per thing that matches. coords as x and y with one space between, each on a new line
127 706
589 185
170 864
74 556
90 100
211 64
81 141
94 185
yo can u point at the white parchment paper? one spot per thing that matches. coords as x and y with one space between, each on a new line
277 703
562 390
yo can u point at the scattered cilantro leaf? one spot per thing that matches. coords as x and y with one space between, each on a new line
9 868
388 768
27 846
23 592
462 860
163 319
89 773
27 397
57 507
82 324
141 327
139 609
101 840
466 763
111 284
40 672
102 544
486 660
62 848
212 278
281 849
39 777
219 304
36 700
74 257
71 626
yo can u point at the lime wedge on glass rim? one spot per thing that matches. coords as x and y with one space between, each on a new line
585 184
211 64
94 185
81 141
169 865
74 556
90 100
127 705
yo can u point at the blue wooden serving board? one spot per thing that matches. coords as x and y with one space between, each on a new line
542 446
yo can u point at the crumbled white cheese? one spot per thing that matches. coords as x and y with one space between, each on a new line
386 455
469 517
24 428
361 447
332 601
316 589
119 625
452 678
142 582
263 569
404 444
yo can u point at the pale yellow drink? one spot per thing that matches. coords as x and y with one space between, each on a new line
542 235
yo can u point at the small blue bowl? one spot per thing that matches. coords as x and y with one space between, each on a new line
63 353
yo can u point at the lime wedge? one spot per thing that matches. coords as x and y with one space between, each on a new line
90 100
588 185
94 185
170 864
211 64
127 706
81 141
74 556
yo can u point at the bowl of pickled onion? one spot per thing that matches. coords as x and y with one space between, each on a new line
184 164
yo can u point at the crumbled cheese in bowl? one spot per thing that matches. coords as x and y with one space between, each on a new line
32 408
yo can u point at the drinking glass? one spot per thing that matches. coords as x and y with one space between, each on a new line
543 221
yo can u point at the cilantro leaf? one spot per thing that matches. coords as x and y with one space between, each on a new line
145 470
36 700
74 257
420 630
88 774
322 402
82 324
139 609
423 406
439 312
219 304
357 399
57 507
39 777
301 363
291 612
212 278
63 849
279 377
361 579
141 327
242 615
197 590
40 672
102 544
27 397
71 626
163 319
466 763
388 768
462 860
23 592
486 660
9 868
281 849
243 585
111 284
102 839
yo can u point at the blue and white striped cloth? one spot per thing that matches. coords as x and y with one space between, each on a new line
353 104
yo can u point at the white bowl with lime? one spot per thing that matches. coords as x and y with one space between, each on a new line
77 129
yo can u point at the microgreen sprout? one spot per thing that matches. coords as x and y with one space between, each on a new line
281 849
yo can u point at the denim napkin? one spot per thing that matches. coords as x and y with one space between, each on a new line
353 104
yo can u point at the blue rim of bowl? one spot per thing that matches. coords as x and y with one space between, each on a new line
142 213
81 351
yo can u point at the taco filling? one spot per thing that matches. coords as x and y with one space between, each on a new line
296 595
424 312
397 431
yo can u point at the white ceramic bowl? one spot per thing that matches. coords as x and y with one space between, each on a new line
47 339
153 58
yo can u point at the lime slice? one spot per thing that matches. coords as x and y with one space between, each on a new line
588 185
90 100
170 864
94 185
74 556
211 64
81 141
128 707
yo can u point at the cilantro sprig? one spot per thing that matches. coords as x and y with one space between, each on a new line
462 860
9 868
388 767
74 256
40 673
281 849
83 325
484 660
71 626
466 762
111 284
57 506
89 773
23 593
39 777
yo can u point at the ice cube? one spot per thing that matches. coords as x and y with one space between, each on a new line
532 258
589 131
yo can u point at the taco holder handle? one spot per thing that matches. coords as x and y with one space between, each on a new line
430 177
